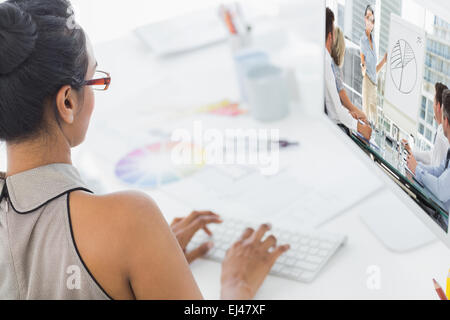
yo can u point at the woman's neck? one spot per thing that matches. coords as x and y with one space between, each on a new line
36 153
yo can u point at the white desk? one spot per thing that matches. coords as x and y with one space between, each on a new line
143 84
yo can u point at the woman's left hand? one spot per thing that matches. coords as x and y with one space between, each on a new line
185 228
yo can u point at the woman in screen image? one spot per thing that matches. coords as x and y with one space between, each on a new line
58 240
338 55
370 67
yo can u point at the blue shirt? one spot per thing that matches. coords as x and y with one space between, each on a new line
338 75
370 56
437 180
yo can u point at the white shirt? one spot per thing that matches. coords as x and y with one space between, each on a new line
438 153
437 180
336 111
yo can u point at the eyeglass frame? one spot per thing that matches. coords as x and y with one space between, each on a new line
106 81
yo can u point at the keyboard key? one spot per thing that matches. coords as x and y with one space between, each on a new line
307 276
315 260
326 245
276 268
282 259
307 266
304 241
314 243
304 249
323 253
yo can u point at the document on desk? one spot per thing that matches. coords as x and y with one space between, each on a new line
184 33
283 198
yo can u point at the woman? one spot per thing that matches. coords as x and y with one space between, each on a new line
338 55
57 239
369 67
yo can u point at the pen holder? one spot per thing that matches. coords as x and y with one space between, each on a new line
268 93
240 42
246 60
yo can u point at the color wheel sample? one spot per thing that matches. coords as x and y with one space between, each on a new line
153 166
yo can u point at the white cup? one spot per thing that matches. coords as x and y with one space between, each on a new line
268 93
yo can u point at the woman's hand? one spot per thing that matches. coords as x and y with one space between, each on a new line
363 69
248 262
407 147
185 228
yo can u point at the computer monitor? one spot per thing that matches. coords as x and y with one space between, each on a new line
387 66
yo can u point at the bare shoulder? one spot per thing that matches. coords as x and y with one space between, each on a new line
121 209
119 219
108 229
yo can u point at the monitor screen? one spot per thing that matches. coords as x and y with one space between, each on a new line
387 69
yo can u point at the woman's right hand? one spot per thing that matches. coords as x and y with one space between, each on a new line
407 147
248 262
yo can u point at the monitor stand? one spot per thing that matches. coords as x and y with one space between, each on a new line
394 224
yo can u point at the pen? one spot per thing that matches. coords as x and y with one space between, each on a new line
246 27
281 143
448 284
229 22
439 290
285 143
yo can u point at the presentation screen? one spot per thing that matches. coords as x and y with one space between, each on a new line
387 75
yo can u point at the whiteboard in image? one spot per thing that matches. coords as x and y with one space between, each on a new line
405 66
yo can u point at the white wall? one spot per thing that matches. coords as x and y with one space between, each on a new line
107 19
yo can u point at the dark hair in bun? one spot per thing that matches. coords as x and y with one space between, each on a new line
18 34
39 53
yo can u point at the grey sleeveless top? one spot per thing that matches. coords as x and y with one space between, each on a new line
39 258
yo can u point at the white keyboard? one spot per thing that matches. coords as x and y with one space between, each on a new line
309 253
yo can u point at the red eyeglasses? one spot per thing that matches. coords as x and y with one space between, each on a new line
101 81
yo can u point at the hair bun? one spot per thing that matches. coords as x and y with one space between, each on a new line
18 34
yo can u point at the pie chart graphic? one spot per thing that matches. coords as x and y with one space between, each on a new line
152 166
403 67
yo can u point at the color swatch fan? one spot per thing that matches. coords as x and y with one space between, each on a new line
153 166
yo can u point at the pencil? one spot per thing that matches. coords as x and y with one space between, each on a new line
229 22
448 284
439 290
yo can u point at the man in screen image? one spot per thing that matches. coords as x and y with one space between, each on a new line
437 178
438 153
333 106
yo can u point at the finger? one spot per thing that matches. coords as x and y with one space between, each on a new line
208 232
270 242
257 236
196 214
176 220
200 223
199 252
247 233
279 251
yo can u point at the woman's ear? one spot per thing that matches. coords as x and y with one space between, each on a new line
66 104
